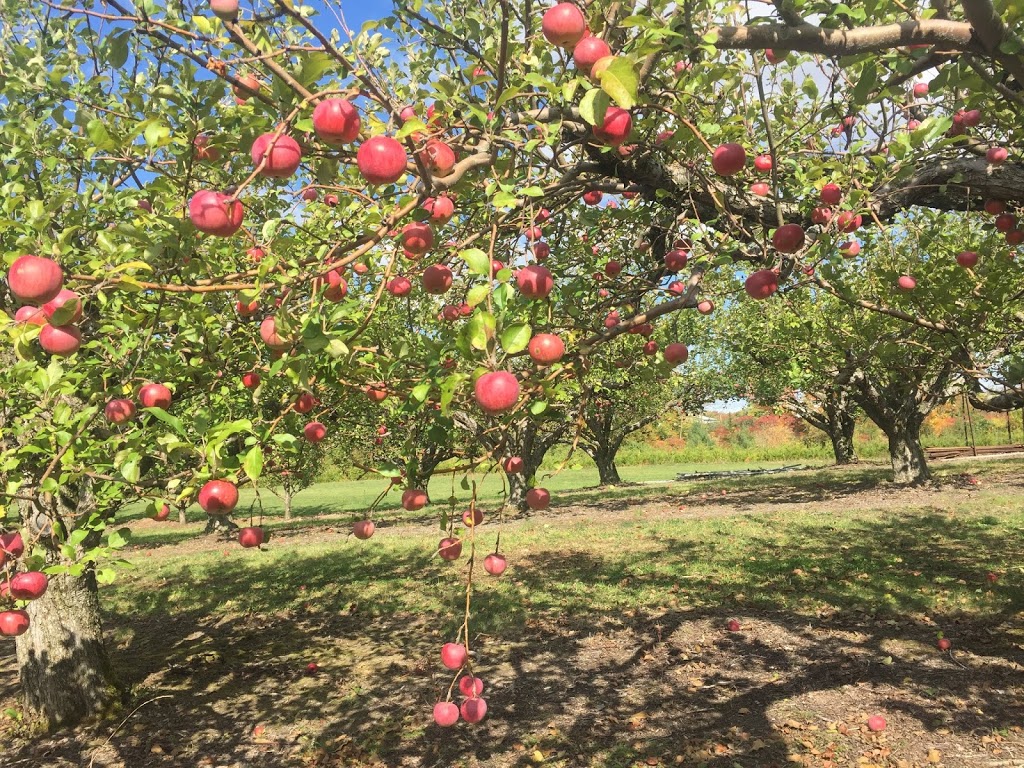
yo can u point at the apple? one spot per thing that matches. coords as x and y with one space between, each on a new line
381 160
676 353
64 298
446 714
305 403
472 518
967 259
706 307
588 51
682 66
376 393
453 655
215 213
913 125
763 162
13 623
247 310
612 268
155 395
417 237
12 545
760 188
944 644
774 57
876 723
30 585
563 25
990 577
546 348
920 90
363 529
414 499
248 85
203 151
535 281
436 279
160 514
496 392
729 159
848 221
270 335
471 686
1015 236
30 315
256 254
538 498
593 197
312 668
821 215
541 251
449 549
336 121
495 564
280 155
733 625
309 194
972 118
330 200
399 286
337 286
119 411
35 279
496 267
995 207
225 9
906 283
439 158
789 238
849 249
533 234
513 465
314 431
1005 222
761 284
441 209
831 194
675 260
473 710
650 348
996 155
218 497
60 340
250 537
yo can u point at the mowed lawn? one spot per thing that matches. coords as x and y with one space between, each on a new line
604 644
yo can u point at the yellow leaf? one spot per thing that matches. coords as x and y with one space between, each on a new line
537 756
934 756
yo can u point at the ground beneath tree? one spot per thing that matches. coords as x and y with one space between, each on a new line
649 677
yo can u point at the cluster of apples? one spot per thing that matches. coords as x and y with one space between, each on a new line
27 585
151 395
38 282
473 708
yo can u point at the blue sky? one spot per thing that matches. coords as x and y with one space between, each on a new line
355 11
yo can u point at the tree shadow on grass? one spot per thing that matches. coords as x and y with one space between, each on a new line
591 657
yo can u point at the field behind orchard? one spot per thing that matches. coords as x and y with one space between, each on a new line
604 644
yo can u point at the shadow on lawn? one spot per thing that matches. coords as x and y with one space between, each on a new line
562 675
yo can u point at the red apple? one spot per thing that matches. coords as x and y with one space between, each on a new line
314 431
399 286
588 51
155 395
225 9
247 310
706 307
218 497
496 392
449 549
538 498
1015 236
650 347
363 529
876 723
30 585
513 465
446 714
439 158
309 194
214 213
995 207
541 251
906 283
831 194
473 518
381 160
248 85
967 259
471 686
546 348
414 499
119 411
761 284
250 537
336 121
35 279
60 340
376 393
612 268
763 162
944 644
849 249
535 281
436 279
30 315
848 221
305 403
563 25
972 118
675 260
495 564
13 623
733 625
821 215
441 209
473 710
453 655
330 200
64 298
270 335
761 189
996 155
417 237
280 155
12 545
1005 222
593 197
913 125
160 514
676 353
789 238
337 286
920 90
203 151
729 159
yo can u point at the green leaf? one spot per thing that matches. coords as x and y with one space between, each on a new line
253 464
119 537
409 127
477 294
537 407
480 329
620 81
420 391
172 421
478 261
155 134
515 338
593 106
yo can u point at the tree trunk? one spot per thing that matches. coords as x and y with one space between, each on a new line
65 672
606 469
181 515
517 488
286 497
842 439
909 466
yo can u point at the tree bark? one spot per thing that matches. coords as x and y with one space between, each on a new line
842 439
517 488
909 466
286 498
607 471
65 672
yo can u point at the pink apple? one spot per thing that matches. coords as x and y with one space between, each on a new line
449 548
496 391
906 283
563 25
250 537
996 155
399 286
538 498
155 395
35 279
849 249
534 281
876 723
280 156
305 403
513 465
436 279
446 714
381 160
588 51
546 348
363 529
729 159
218 497
761 284
761 189
453 655
314 431
789 238
763 162
831 194
336 121
495 564
119 411
473 710
215 213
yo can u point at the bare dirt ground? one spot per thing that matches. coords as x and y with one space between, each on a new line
660 684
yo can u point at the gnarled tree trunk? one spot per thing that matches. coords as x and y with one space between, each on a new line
841 436
906 453
63 664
